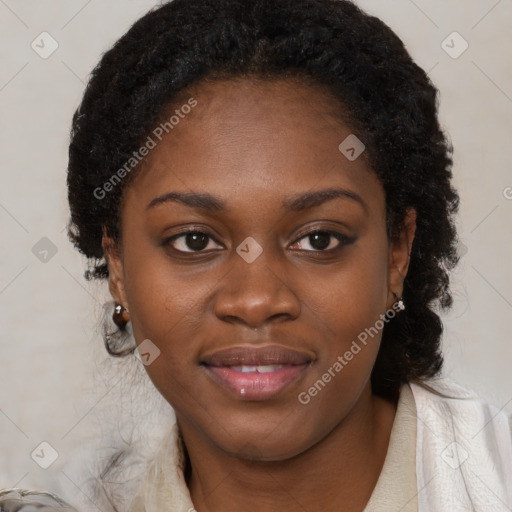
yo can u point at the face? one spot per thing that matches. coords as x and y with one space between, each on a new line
254 254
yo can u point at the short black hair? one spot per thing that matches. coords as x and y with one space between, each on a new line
389 103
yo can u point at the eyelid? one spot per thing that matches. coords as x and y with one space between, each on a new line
316 229
185 231
342 238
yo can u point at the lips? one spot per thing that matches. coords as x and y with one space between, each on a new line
256 356
256 373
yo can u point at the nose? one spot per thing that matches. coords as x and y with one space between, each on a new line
255 293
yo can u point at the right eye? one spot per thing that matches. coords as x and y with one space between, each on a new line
191 241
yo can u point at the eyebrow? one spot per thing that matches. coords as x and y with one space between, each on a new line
296 203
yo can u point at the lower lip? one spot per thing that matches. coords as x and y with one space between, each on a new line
254 385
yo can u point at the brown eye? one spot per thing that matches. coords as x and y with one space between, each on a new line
196 241
190 241
321 241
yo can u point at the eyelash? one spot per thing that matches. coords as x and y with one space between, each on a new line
342 239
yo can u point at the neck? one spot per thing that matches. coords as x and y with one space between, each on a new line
342 468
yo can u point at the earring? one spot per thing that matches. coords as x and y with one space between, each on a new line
399 304
121 316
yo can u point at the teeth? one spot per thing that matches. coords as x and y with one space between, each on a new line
263 368
245 369
267 368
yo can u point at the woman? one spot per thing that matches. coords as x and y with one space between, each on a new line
268 192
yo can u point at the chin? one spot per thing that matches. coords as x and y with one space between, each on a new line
265 441
257 451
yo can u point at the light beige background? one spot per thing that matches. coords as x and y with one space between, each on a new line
51 351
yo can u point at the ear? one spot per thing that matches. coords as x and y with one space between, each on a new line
399 257
115 269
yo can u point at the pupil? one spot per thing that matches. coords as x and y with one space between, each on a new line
319 240
197 241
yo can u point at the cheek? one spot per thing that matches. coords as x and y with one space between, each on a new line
346 306
351 296
165 300
169 306
347 311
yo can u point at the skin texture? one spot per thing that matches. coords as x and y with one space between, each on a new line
254 145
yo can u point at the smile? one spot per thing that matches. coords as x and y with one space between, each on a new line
251 373
263 368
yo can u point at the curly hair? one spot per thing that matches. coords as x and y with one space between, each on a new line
388 101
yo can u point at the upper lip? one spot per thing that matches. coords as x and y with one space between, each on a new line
256 356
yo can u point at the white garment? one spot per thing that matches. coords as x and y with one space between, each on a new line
464 452
463 458
396 489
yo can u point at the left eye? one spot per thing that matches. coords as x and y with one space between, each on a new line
321 241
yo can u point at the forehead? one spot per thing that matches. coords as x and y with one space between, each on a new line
254 138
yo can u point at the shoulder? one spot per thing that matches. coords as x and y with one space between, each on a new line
21 500
457 403
464 448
